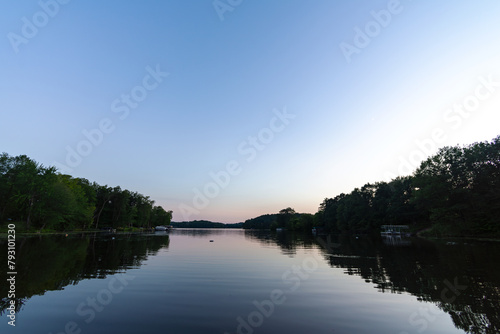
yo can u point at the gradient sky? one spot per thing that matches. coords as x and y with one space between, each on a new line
426 72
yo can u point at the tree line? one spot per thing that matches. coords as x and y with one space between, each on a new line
44 199
454 192
204 224
287 219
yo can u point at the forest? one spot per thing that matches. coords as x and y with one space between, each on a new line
204 224
455 192
43 199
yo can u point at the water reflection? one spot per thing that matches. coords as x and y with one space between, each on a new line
47 263
203 232
287 241
461 278
396 240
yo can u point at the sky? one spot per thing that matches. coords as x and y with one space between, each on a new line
228 109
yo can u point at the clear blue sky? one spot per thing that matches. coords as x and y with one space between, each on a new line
356 84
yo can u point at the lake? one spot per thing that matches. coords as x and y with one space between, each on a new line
235 281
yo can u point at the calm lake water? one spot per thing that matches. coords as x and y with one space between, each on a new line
251 282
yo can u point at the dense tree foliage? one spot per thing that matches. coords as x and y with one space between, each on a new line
287 219
456 192
459 188
263 222
369 207
45 199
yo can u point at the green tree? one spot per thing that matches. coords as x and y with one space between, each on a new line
103 199
144 211
71 200
33 184
44 198
284 218
160 217
458 188
7 183
305 222
327 213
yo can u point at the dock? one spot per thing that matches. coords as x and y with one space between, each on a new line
394 229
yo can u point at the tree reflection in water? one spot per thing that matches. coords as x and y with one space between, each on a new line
47 263
461 277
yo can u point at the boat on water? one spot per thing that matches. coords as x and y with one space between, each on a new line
162 228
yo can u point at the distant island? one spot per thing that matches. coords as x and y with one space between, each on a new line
455 192
204 224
